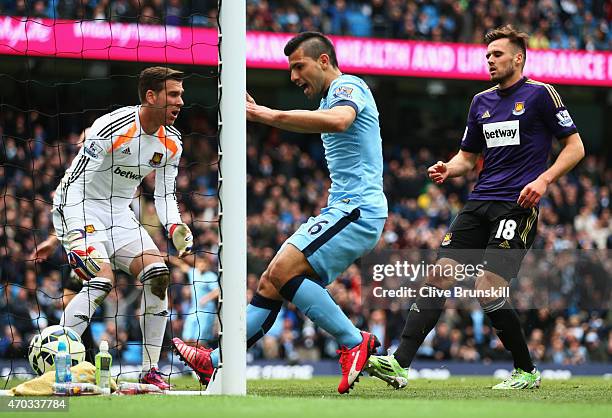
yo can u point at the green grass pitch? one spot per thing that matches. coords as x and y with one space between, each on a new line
457 397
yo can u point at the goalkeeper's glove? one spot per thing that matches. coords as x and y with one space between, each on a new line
182 238
84 260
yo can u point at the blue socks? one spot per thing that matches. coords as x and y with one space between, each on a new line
260 316
310 298
317 304
214 357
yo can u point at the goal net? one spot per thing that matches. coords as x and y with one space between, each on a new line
61 70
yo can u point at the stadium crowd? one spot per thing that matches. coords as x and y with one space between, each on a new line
287 184
557 24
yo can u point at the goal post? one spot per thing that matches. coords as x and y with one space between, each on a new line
232 198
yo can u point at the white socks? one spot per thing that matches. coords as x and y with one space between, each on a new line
153 318
81 308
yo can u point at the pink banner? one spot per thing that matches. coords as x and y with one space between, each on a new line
185 45
107 41
437 60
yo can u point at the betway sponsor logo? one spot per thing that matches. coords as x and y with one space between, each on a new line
501 134
128 174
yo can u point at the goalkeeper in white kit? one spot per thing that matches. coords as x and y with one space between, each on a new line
93 218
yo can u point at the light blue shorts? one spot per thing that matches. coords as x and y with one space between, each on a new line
333 240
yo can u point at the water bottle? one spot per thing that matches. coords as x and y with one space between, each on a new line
133 388
103 368
75 389
63 361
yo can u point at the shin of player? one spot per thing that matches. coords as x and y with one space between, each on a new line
90 263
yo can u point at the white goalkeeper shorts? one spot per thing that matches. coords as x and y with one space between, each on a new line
119 241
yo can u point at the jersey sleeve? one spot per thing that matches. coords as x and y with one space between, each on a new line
473 140
166 204
79 176
348 93
554 113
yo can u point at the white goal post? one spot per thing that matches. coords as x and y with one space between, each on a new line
231 376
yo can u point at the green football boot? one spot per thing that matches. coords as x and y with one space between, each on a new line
520 379
387 369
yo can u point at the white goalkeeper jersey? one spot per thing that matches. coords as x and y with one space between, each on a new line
112 162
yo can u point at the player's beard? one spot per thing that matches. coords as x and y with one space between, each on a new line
500 76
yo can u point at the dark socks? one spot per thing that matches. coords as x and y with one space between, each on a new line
422 318
508 327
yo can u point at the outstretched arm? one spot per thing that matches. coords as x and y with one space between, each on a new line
336 119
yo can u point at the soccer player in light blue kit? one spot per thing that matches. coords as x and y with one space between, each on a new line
348 227
200 319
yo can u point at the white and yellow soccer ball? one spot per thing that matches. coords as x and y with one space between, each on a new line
44 347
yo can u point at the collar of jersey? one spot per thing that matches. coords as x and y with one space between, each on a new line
326 92
138 124
509 90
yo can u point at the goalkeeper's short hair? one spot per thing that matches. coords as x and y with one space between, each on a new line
154 78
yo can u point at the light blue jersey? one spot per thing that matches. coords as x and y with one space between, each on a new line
203 283
356 211
200 318
354 157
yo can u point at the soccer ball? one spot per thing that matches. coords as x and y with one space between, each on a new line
43 348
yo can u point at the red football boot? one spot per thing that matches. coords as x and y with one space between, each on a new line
196 358
354 360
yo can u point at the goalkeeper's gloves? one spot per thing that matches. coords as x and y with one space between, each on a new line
182 238
84 260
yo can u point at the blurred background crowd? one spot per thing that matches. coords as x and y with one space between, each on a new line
557 24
